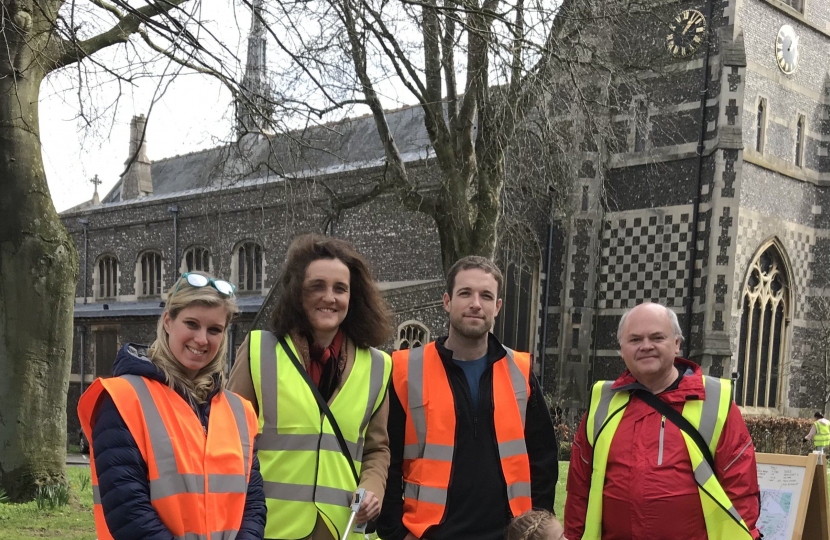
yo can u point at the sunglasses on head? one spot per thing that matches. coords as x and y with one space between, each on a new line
198 280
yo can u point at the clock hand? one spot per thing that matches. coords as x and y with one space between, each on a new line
690 23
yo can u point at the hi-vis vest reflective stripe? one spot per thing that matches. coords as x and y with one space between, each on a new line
708 416
429 442
304 471
822 436
198 482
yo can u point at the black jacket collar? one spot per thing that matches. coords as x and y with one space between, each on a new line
495 350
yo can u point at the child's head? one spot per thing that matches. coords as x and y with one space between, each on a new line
534 525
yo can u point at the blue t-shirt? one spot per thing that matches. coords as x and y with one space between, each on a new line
473 369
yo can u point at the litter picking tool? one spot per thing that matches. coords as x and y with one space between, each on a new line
360 527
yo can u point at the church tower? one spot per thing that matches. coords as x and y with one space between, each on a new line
713 202
254 103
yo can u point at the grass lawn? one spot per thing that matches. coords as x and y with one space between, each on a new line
72 522
559 502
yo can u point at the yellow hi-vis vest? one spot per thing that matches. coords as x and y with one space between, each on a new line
303 469
822 436
708 416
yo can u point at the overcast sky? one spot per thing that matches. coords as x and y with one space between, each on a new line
191 112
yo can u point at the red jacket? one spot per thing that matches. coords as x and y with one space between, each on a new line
644 500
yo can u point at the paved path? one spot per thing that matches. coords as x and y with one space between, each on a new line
77 460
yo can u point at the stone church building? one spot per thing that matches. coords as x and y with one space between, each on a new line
723 215
733 234
235 217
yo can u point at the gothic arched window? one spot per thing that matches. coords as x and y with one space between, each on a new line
106 277
799 142
411 334
249 267
766 301
641 126
797 5
196 258
515 326
150 274
760 126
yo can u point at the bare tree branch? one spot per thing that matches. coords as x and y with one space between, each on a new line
126 25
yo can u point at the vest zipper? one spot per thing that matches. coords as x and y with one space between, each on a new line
662 432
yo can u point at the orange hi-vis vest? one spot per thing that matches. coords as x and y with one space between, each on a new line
198 481
424 391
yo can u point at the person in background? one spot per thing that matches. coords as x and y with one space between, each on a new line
173 451
472 441
325 325
819 433
634 475
535 525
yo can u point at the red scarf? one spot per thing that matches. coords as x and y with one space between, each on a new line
319 357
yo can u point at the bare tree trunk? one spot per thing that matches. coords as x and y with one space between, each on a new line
38 273
459 237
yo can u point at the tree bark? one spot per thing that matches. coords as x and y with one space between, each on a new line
38 273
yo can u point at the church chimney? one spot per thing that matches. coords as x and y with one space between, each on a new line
136 181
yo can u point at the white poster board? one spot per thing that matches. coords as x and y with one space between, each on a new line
781 487
793 497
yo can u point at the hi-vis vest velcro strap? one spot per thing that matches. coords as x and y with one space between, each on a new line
708 416
270 439
822 436
170 482
429 442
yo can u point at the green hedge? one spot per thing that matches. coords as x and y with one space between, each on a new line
565 436
770 434
779 435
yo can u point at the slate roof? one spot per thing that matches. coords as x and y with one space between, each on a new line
350 144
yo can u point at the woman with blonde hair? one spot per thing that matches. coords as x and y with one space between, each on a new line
319 388
172 450
535 525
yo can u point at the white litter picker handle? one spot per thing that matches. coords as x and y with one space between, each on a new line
360 527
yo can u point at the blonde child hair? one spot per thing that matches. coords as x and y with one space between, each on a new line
533 525
182 296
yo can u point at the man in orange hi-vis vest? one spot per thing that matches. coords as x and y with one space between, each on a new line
471 439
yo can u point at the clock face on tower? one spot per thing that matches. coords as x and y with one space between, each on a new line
786 49
686 33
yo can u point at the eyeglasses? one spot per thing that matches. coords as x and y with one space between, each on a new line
198 280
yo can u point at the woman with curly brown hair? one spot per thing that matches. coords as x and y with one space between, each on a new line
319 388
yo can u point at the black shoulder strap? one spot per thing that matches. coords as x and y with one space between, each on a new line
677 419
324 407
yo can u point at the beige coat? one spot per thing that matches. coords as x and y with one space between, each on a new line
376 447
